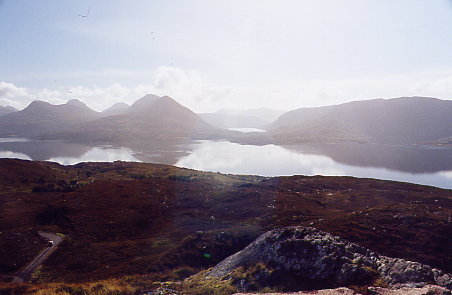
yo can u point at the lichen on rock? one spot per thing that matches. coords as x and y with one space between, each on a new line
304 258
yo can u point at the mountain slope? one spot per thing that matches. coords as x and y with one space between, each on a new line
233 121
6 110
116 109
41 117
232 118
151 118
404 120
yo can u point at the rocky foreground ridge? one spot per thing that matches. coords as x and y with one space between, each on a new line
304 258
426 290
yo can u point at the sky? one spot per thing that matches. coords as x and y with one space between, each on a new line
212 54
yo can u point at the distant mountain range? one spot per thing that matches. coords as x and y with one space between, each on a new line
232 118
116 109
6 110
41 118
151 118
404 120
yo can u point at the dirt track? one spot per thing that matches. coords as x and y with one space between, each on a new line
24 274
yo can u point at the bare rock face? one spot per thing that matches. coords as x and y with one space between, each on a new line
399 272
303 258
337 291
426 290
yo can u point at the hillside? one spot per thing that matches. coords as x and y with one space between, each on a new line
231 118
6 110
404 120
116 109
134 218
149 119
41 117
233 121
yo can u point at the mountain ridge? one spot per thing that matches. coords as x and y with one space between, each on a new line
404 120
41 117
6 110
116 109
150 118
235 118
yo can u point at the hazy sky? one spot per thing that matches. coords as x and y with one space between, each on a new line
211 54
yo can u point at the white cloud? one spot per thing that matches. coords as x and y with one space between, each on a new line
200 93
189 87
441 88
10 90
52 96
100 98
11 95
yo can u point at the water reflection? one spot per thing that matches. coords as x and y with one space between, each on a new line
98 154
432 166
412 159
270 160
62 152
13 139
44 150
248 130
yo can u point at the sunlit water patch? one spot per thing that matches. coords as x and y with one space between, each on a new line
13 139
272 160
248 130
62 152
409 164
98 154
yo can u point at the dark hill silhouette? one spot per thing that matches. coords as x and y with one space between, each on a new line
149 119
42 117
404 120
6 110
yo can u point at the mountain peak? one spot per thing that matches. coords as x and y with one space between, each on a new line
143 103
6 110
117 106
9 108
76 102
37 104
116 109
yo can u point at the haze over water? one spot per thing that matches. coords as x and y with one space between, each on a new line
417 165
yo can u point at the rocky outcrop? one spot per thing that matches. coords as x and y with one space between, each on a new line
303 258
426 290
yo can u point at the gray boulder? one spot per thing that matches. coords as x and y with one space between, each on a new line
313 259
426 290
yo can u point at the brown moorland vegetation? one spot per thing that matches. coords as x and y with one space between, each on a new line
133 218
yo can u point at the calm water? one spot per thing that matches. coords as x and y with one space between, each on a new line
272 160
431 166
248 130
61 152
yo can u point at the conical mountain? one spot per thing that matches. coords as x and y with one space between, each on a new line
143 104
151 118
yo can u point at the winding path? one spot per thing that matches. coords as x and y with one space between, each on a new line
24 274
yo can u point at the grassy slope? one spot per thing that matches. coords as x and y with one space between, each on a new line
131 218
